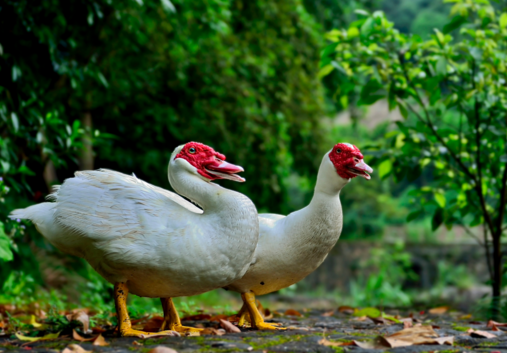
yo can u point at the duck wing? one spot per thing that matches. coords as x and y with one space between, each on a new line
104 204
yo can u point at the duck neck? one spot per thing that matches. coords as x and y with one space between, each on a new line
329 184
209 196
318 226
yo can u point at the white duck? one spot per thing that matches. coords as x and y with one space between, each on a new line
291 247
150 241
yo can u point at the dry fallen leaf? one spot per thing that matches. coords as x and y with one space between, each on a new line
74 348
267 314
371 344
407 322
492 323
136 343
82 317
97 329
153 324
212 331
439 310
162 349
327 343
360 318
328 313
198 317
227 326
480 334
292 312
100 341
219 317
346 309
416 335
80 338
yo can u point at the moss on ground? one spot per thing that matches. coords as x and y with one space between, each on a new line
153 341
488 344
273 342
460 328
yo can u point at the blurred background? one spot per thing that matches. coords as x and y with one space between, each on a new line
87 84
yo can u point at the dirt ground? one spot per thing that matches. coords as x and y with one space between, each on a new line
315 331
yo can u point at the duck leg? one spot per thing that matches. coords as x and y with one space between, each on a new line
121 292
255 315
243 316
172 319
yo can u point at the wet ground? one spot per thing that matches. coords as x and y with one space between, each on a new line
305 334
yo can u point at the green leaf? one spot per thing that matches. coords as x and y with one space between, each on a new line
5 246
437 219
15 121
367 27
102 79
503 20
344 101
371 92
390 317
49 336
372 312
25 170
326 70
403 110
440 199
456 22
413 215
168 6
385 168
362 12
440 36
330 49
352 32
441 66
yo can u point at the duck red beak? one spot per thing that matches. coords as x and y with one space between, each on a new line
225 170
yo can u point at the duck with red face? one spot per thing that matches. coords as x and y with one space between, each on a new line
208 163
152 242
348 161
291 247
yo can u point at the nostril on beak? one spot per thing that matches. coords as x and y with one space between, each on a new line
356 159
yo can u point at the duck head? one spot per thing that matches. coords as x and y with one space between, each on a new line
207 163
348 161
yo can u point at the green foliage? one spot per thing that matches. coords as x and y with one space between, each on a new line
160 75
126 82
416 16
388 268
453 98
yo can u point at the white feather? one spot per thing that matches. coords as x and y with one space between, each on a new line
161 244
291 247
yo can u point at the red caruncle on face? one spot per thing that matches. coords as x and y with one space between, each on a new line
348 161
200 156
209 163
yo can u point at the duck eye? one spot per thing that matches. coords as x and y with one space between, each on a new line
338 150
191 150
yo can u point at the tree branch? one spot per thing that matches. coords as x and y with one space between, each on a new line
488 255
503 201
458 160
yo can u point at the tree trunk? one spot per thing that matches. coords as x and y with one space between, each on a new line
86 157
49 174
497 274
